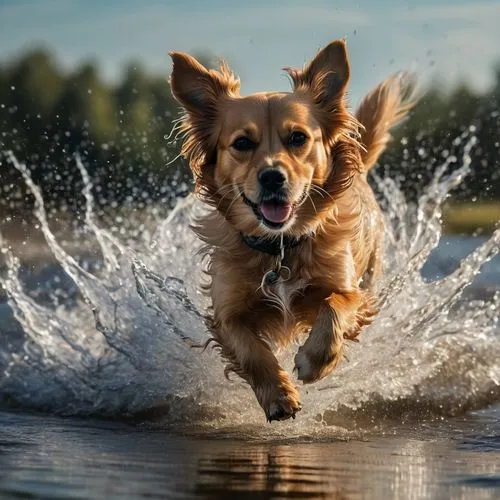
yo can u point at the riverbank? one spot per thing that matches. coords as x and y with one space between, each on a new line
469 218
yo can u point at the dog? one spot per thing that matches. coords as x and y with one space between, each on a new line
293 234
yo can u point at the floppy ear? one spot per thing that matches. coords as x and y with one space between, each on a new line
199 91
325 79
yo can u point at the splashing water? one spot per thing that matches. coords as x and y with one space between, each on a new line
125 347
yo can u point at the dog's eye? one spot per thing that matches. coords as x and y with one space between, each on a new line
296 139
243 144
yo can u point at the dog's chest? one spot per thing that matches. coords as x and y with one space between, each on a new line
283 291
290 288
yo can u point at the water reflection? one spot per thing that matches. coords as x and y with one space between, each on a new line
61 458
272 471
392 468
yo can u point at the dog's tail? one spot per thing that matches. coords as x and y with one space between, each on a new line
386 105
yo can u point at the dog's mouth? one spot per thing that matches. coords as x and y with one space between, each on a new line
274 210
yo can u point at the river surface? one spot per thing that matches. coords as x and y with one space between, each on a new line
49 457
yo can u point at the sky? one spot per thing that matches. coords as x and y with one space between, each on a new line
445 40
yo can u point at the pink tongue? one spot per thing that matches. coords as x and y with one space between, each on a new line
274 212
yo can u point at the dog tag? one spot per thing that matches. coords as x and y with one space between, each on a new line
270 278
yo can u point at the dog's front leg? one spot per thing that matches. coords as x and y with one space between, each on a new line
252 359
322 351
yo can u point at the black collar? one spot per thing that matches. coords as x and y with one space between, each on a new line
270 245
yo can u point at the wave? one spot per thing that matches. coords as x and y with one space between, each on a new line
125 344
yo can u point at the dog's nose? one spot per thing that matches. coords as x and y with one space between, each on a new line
272 179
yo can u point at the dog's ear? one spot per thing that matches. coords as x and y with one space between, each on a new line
325 80
199 90
326 76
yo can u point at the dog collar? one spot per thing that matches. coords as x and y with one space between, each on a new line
271 246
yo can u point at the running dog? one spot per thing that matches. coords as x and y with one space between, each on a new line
294 235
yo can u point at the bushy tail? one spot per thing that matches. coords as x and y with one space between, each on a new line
386 105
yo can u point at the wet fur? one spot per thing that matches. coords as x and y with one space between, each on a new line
329 296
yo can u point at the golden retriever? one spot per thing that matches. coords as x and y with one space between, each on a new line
294 234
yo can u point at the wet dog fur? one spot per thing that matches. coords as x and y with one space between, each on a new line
291 165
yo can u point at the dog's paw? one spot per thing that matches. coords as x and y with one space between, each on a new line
278 396
284 407
311 366
304 367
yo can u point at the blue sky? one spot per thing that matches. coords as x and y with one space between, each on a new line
442 39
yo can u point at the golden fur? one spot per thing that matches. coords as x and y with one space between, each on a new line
334 268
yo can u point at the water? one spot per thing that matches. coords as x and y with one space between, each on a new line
47 457
116 339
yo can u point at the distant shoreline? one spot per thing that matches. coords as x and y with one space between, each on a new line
471 218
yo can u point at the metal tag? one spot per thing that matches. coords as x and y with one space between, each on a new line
271 277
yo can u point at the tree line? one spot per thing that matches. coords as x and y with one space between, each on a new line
121 131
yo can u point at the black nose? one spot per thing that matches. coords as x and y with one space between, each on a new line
272 179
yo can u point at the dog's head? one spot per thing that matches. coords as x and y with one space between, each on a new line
268 161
